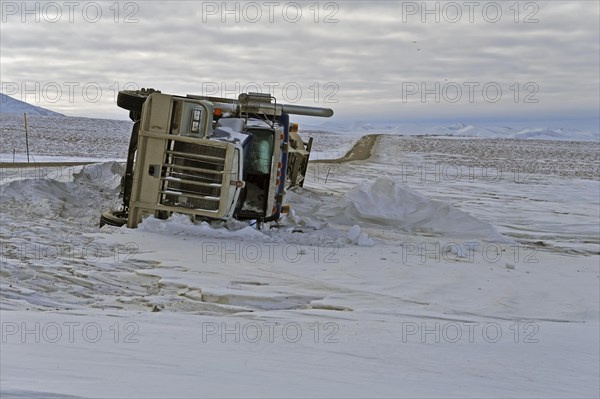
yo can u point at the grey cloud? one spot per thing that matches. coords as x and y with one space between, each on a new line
369 53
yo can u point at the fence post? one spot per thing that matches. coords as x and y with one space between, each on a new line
26 136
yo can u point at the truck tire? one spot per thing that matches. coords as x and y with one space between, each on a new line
113 218
131 100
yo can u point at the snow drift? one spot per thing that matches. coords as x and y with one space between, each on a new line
385 202
181 224
65 192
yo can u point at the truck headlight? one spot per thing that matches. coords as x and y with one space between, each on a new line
196 119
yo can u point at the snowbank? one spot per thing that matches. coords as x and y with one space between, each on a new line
385 202
62 190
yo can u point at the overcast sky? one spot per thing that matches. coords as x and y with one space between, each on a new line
394 61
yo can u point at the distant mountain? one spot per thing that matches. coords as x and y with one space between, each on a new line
9 105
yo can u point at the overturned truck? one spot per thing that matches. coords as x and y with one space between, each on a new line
210 157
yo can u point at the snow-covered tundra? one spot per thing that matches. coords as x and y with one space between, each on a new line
422 271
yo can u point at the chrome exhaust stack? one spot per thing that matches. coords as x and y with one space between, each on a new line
262 103
308 111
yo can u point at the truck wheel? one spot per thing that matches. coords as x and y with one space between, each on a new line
131 100
113 218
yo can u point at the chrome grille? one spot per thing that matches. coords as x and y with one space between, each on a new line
193 176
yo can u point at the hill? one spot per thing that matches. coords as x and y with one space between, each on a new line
9 105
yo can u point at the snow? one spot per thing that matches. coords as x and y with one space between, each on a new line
181 224
226 133
380 282
386 202
359 238
51 159
64 136
163 355
458 130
